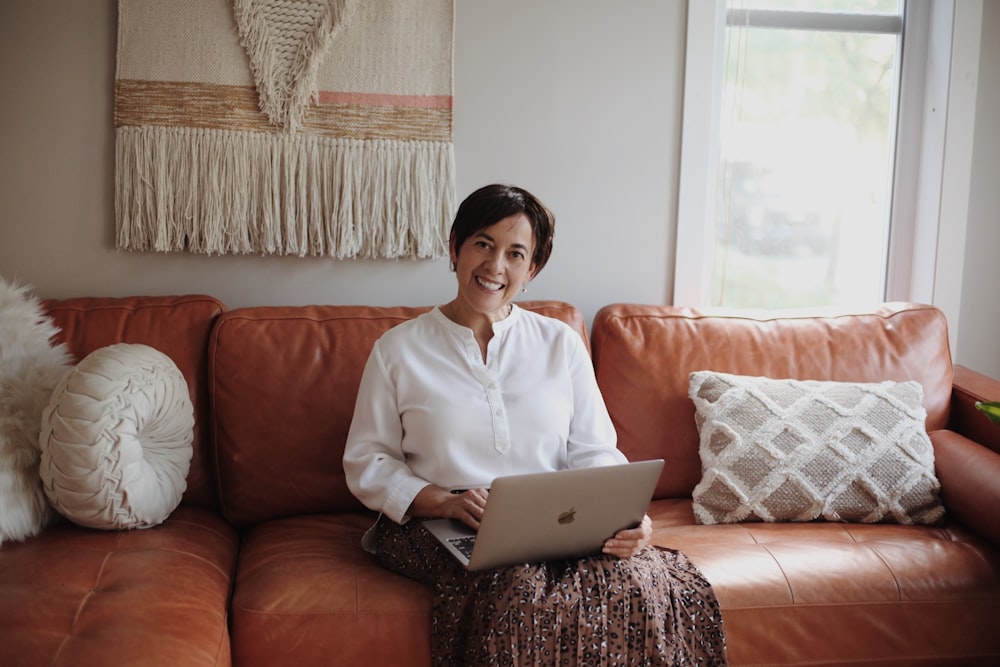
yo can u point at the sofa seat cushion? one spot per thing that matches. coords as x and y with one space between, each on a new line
75 595
799 593
308 594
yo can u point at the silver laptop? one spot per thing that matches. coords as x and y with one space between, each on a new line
550 515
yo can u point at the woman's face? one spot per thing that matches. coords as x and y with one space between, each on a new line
493 264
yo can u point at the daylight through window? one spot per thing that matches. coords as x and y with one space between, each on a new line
807 130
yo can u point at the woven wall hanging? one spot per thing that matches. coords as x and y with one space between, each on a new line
301 127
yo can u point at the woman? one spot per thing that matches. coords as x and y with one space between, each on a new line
479 388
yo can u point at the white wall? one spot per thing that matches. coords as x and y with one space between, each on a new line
978 344
577 100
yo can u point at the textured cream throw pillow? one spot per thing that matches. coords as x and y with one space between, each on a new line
116 439
790 450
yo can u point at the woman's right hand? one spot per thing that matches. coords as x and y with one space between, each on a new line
435 502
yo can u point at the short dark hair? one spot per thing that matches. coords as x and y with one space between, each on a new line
492 203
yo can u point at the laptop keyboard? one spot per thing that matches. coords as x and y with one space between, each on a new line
464 544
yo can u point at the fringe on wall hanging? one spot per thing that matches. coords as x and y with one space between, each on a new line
302 127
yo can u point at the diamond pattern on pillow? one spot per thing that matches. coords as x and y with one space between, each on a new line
793 450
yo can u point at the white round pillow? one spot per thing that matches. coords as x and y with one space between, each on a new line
116 439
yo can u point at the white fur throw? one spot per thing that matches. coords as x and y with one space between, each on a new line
30 366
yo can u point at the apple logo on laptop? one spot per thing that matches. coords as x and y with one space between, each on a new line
568 517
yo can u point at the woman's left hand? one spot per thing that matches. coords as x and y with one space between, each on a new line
627 543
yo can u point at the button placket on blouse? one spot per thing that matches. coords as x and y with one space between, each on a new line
488 376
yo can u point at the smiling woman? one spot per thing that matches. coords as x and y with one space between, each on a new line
480 388
501 238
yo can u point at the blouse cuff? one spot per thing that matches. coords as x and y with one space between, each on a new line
401 497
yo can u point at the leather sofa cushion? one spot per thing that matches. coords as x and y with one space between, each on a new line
283 382
790 593
178 326
144 597
812 593
308 594
644 355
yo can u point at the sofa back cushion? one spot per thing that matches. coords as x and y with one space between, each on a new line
178 326
283 382
644 355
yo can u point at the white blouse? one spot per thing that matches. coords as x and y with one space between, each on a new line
430 411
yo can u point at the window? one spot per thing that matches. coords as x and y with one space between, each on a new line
805 154
813 157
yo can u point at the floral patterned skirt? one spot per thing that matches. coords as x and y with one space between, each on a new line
652 609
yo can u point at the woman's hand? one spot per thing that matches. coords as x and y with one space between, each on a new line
436 502
627 543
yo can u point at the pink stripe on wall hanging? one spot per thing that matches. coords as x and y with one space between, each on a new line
293 127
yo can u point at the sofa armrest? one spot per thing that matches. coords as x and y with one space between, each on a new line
970 482
968 387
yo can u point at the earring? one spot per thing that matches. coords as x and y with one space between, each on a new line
524 288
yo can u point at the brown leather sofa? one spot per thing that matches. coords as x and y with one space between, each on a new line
262 565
